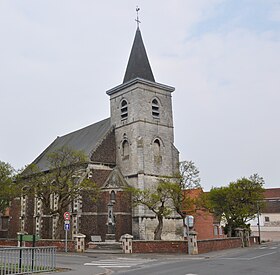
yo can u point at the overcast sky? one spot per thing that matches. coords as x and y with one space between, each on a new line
58 58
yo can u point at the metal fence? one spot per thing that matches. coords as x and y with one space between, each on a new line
26 260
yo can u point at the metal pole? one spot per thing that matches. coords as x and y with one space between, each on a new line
20 251
65 240
259 227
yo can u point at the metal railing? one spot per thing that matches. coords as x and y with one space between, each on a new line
26 260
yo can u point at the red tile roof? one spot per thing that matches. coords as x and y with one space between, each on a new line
272 193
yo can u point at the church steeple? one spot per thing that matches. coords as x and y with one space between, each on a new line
138 63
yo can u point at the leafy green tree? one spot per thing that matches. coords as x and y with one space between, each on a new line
66 180
189 175
183 202
237 203
169 195
8 188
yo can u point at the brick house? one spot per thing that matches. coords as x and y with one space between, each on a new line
134 146
206 225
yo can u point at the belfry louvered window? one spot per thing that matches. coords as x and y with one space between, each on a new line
124 109
155 108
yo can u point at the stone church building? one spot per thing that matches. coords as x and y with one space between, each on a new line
134 146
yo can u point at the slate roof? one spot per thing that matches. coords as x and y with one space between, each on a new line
86 139
138 63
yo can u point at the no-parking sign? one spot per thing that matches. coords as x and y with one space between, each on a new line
66 216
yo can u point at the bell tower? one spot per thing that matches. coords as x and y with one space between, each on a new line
141 112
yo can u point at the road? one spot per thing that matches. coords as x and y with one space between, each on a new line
259 260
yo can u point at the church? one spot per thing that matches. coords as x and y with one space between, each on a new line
133 147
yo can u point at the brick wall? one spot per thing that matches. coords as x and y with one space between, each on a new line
140 246
106 152
254 240
205 246
14 224
60 244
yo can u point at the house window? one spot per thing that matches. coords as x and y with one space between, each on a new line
216 228
124 109
155 108
125 150
266 219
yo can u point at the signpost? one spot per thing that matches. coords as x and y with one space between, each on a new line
67 218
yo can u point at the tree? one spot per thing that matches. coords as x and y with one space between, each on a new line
8 188
184 203
237 203
189 175
155 199
171 194
66 180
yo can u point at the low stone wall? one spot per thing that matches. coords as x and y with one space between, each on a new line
60 244
205 246
139 246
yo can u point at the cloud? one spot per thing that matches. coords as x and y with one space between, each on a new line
59 58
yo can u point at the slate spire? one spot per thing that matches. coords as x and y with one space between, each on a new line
138 63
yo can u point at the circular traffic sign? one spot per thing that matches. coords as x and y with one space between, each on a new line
66 216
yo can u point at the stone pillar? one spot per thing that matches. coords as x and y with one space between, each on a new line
246 238
127 243
192 246
79 242
239 232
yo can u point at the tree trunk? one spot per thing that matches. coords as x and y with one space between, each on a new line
158 230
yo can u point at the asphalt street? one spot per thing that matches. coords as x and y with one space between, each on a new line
257 260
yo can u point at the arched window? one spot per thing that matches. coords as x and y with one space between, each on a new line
155 108
156 147
157 152
124 109
113 196
125 149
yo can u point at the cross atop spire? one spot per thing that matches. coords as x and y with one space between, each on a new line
137 18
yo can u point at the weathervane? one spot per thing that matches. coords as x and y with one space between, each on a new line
137 19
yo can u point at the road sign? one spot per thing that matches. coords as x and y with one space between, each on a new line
66 222
66 216
67 226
